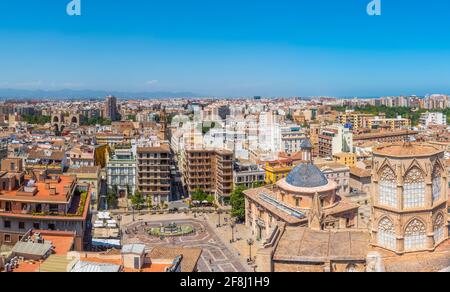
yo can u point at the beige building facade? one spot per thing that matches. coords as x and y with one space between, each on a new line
410 198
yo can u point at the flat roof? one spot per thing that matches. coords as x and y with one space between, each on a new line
43 194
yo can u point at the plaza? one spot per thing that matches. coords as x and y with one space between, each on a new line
217 255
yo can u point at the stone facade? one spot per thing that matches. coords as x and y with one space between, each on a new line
410 200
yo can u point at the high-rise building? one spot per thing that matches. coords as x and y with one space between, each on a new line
209 170
154 178
111 111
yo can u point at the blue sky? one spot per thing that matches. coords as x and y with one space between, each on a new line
228 47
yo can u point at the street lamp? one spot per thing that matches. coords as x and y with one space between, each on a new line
250 243
219 212
132 212
232 225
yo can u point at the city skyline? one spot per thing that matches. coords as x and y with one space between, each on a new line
228 50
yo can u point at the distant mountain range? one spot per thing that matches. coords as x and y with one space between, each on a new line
87 94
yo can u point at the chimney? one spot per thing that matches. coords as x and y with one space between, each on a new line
53 192
47 186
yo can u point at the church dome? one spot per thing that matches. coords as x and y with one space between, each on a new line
306 176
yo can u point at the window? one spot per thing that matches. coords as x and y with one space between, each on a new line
386 234
415 236
54 208
36 226
7 224
7 238
21 225
438 228
414 189
388 188
51 226
298 202
437 184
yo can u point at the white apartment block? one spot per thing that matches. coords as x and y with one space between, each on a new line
433 119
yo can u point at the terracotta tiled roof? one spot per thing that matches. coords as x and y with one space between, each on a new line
359 172
304 244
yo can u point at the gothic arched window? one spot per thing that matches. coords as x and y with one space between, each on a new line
388 188
386 234
437 184
438 228
414 189
415 236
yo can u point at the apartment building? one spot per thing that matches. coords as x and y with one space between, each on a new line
121 170
433 119
109 139
385 136
291 139
348 159
355 120
153 174
335 139
248 175
3 148
88 176
54 161
210 170
393 124
278 169
339 173
42 201
110 110
82 155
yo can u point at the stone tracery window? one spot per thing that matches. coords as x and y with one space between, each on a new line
414 189
438 228
388 188
415 236
386 234
437 184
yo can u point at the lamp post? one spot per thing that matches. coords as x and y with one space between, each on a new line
219 212
250 243
232 225
132 212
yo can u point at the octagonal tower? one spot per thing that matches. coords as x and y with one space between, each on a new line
410 197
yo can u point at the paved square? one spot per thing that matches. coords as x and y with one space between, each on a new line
216 257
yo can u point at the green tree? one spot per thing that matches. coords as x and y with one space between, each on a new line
137 200
112 198
149 201
96 121
238 203
199 195
36 119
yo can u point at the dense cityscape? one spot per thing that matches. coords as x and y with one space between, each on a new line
317 184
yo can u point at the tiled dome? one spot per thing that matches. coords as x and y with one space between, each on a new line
306 176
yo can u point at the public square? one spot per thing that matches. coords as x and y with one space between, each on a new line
219 255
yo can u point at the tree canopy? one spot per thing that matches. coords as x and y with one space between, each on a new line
238 203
